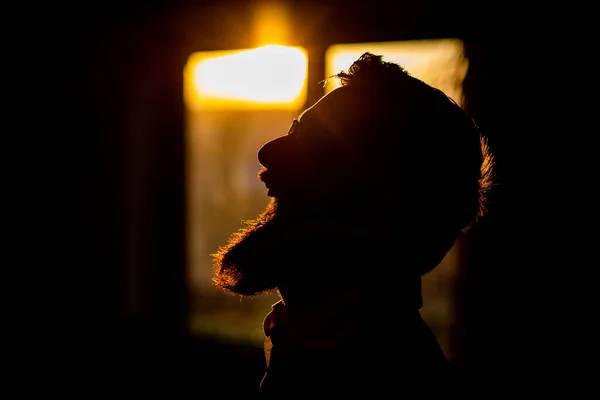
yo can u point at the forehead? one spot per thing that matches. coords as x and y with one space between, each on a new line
332 110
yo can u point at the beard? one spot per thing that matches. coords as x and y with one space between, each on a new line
289 242
277 247
266 250
247 265
280 247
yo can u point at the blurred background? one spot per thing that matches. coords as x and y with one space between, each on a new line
156 112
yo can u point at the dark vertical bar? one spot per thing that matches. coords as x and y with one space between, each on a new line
316 73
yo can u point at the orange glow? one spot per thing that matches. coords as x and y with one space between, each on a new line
271 76
271 23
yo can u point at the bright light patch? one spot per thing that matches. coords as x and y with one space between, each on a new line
271 77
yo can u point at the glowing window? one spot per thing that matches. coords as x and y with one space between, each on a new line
440 63
269 77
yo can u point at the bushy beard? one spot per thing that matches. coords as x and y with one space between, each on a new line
248 263
278 247
296 241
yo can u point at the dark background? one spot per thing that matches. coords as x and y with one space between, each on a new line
105 223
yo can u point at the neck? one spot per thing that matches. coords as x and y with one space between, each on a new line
402 292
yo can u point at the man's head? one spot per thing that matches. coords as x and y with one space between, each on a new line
384 161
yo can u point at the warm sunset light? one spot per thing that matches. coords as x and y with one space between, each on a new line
271 23
271 76
439 62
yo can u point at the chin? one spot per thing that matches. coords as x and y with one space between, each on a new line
245 265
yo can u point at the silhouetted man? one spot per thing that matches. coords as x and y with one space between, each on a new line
370 189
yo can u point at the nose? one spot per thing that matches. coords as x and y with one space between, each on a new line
274 151
263 154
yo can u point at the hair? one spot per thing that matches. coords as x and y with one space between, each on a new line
422 138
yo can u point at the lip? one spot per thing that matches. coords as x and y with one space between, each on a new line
269 185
